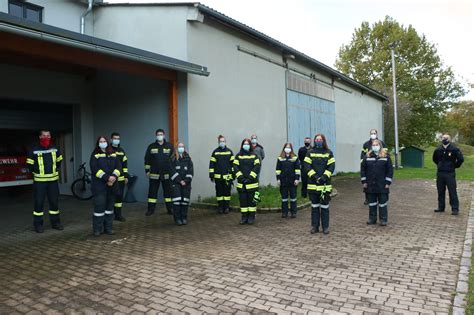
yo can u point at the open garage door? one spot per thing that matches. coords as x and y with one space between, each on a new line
20 122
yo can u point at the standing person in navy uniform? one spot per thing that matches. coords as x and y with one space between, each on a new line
220 172
123 179
301 155
319 166
105 169
376 173
447 158
288 172
44 161
182 175
366 147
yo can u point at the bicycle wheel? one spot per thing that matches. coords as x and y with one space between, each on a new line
81 189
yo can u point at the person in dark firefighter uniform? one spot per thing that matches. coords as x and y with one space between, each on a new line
123 179
376 173
182 175
366 147
44 162
105 169
220 172
246 169
288 174
447 158
319 165
158 167
301 155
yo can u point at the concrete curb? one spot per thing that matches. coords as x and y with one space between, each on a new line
459 303
212 206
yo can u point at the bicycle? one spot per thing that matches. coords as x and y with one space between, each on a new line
81 187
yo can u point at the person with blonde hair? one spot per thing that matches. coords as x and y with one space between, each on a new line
376 173
288 172
182 174
374 135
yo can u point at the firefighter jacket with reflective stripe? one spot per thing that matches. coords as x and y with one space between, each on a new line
377 172
123 161
246 169
44 163
288 170
182 169
158 160
367 147
319 165
221 164
447 159
102 167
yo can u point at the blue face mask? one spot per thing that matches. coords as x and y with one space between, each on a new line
115 142
318 144
222 144
103 145
180 150
246 147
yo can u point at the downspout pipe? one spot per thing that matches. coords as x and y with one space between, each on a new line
83 16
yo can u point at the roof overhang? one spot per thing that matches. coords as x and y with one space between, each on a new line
49 42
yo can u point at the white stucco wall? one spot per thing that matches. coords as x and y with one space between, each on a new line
152 28
60 13
243 95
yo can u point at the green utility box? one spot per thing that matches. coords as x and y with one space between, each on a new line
413 157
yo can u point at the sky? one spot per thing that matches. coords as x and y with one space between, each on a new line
319 28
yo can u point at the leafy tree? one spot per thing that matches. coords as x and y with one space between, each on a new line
426 88
460 121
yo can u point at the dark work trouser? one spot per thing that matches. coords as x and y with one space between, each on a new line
379 200
304 185
247 204
41 190
288 194
181 199
153 193
444 179
103 216
119 200
223 189
319 210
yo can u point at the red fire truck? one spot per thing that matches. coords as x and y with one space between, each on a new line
14 171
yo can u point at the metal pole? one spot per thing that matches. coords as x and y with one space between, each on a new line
395 111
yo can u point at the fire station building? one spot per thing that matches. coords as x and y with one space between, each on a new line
85 68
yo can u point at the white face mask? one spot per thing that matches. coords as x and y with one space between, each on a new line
222 144
376 149
180 150
373 137
160 138
102 145
254 141
287 150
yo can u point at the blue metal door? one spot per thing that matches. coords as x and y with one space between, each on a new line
309 115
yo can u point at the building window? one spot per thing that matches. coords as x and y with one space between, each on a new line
25 10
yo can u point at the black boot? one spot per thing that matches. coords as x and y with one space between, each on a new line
439 210
251 219
149 212
118 214
314 229
244 218
39 228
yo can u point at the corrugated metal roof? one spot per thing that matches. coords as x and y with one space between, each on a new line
220 17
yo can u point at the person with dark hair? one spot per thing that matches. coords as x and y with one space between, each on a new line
220 172
105 169
319 166
44 161
301 155
158 167
246 169
447 158
182 166
376 173
123 179
366 147
288 174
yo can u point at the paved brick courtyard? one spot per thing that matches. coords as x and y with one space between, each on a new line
214 265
